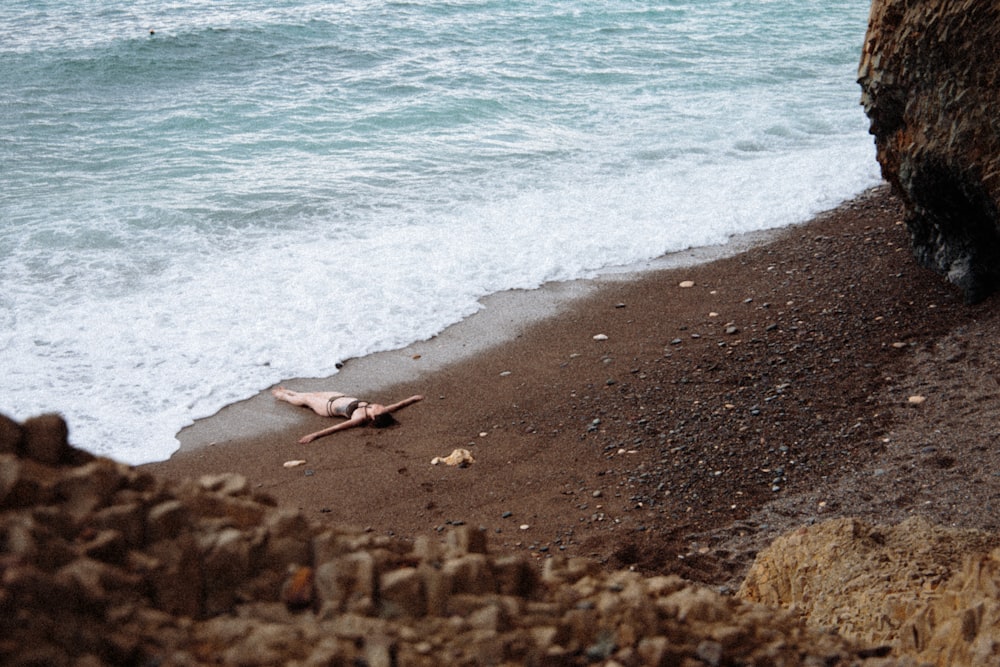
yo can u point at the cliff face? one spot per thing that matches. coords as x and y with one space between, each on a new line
930 83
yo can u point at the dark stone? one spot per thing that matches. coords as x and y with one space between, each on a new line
931 88
45 439
11 436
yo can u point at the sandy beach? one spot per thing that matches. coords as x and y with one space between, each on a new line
816 373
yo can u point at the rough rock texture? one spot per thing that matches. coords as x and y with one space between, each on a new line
102 564
930 592
930 83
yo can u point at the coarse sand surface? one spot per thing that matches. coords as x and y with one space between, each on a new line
675 421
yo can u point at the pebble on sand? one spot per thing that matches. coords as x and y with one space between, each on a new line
600 337
686 283
460 458
916 400
293 464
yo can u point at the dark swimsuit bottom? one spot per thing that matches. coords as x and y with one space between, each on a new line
347 411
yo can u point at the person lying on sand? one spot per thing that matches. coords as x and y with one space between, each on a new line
335 404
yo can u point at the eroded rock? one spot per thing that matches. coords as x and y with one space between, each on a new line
930 80
927 591
120 568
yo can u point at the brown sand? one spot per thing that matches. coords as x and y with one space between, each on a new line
773 393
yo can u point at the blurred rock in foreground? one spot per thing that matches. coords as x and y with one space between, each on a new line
102 564
930 79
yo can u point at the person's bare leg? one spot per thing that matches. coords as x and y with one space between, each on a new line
316 400
289 396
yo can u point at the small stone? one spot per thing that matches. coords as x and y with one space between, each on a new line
686 283
600 337
710 652
293 464
11 435
732 329
166 520
916 400
460 458
227 484
45 439
524 526
402 594
297 591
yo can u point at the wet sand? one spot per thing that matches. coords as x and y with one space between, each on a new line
773 392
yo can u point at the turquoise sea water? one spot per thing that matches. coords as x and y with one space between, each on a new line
200 199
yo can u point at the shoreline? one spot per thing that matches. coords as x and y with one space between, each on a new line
772 393
501 318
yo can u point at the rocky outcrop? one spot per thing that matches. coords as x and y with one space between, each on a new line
930 79
928 591
103 564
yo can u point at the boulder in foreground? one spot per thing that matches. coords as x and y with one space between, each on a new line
103 564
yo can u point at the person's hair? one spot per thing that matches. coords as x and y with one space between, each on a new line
383 420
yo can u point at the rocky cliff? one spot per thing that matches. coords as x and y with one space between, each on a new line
930 84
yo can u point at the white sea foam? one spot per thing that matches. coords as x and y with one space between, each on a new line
217 234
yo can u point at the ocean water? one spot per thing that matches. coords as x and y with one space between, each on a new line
199 199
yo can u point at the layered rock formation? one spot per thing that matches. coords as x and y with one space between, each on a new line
928 591
930 82
102 564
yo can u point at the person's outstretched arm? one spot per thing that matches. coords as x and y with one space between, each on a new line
350 423
403 403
